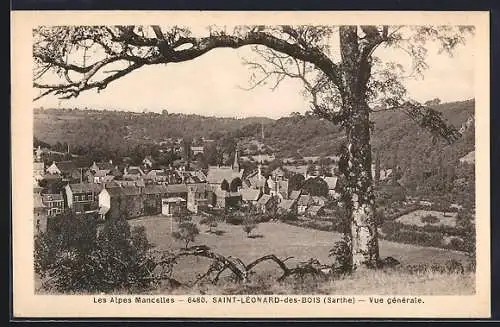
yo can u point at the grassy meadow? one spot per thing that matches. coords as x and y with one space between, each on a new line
286 240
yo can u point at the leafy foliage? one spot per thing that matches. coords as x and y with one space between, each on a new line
78 255
315 186
249 224
186 232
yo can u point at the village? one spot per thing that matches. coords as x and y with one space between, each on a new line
115 190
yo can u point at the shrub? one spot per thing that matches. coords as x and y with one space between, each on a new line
390 227
288 216
341 252
249 225
264 218
79 255
454 266
234 220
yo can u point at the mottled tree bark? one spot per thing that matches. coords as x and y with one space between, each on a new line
359 196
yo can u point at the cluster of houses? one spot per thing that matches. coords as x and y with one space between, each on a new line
111 191
136 191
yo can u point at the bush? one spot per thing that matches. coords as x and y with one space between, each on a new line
288 216
79 255
390 227
234 220
249 225
409 236
341 252
429 219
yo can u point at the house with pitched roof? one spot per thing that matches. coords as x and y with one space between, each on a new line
226 183
304 202
256 180
99 176
105 165
152 198
69 170
54 204
319 200
250 195
133 173
197 196
156 176
278 184
314 210
197 150
294 195
82 197
332 185
266 203
286 206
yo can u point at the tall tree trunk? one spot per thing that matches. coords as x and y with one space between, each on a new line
359 195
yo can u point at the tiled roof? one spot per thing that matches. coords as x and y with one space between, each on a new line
294 195
85 187
314 209
66 166
217 174
112 184
250 194
304 200
102 172
286 204
52 197
254 180
177 188
264 199
331 181
108 178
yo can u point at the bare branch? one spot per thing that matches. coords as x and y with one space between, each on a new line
167 51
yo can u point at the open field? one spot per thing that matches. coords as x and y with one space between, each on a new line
413 218
280 239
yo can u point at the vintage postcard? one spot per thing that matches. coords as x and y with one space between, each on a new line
250 164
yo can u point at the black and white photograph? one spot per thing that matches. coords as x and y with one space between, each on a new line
228 161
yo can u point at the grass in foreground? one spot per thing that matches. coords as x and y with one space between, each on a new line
370 282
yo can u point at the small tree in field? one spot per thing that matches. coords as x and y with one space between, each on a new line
213 224
186 232
249 225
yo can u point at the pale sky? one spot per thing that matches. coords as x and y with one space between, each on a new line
210 86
